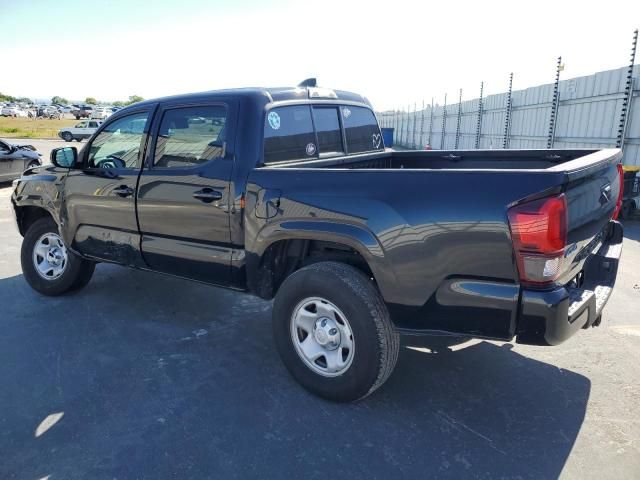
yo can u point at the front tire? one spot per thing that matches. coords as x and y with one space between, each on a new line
333 331
47 265
67 137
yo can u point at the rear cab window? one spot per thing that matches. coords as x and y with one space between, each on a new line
303 132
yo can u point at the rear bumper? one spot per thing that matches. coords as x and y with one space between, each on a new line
551 317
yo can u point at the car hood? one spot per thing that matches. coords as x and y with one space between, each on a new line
26 146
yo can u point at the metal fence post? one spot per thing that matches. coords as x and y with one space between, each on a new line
430 124
507 117
479 124
628 89
458 120
422 126
554 106
444 121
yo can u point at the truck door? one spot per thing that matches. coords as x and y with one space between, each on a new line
100 198
183 194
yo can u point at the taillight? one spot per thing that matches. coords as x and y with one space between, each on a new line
616 212
539 235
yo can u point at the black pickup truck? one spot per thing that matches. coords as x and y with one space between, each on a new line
289 193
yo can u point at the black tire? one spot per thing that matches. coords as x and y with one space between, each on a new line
376 343
79 140
32 165
77 272
77 117
67 137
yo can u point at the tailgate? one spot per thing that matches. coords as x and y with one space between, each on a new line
592 188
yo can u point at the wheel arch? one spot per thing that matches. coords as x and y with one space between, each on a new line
281 249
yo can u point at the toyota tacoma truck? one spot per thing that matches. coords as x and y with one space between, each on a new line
289 194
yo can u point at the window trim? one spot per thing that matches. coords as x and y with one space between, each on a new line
149 161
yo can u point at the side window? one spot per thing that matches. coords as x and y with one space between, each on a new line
328 130
288 134
81 125
191 136
93 124
119 144
361 129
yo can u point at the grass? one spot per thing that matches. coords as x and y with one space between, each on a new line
32 128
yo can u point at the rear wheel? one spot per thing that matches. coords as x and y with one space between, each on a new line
47 265
333 331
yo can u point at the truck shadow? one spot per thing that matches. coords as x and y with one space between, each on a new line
157 377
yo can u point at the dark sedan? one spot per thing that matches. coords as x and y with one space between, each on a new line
15 159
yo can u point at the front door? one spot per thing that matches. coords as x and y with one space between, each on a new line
183 194
100 217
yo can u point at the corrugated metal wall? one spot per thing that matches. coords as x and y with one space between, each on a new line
588 116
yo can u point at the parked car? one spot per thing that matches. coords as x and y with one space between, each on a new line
290 194
13 111
14 159
83 111
100 113
79 131
48 111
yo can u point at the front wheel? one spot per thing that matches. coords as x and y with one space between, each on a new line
47 265
67 137
333 331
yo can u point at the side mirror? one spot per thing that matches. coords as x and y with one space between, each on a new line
65 157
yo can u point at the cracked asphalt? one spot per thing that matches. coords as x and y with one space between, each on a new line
141 376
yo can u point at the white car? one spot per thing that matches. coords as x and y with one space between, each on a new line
13 111
79 131
100 113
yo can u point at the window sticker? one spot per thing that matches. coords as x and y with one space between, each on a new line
274 120
346 112
311 149
377 140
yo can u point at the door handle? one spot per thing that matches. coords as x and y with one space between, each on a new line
207 195
123 191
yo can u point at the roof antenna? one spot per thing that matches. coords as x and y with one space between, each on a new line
309 82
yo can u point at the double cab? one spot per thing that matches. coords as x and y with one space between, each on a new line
289 194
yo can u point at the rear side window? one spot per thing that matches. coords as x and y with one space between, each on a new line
288 134
328 129
361 129
190 136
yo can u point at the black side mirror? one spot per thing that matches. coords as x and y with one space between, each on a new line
65 157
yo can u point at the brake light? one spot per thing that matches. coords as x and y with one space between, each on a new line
539 235
616 212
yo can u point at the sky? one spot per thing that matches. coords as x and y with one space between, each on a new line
395 52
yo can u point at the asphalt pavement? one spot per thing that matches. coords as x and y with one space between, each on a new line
143 376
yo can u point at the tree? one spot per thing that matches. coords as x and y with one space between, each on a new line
118 103
134 99
6 98
59 100
90 101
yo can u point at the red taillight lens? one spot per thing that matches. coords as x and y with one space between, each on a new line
616 212
539 234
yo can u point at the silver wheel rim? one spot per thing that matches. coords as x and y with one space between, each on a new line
50 256
322 336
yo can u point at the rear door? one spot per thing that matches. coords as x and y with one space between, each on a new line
183 195
100 198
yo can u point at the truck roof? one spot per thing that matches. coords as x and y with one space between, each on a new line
269 95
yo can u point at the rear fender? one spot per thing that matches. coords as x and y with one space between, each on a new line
356 237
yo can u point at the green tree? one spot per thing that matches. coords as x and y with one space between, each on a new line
134 99
90 101
6 98
60 100
118 103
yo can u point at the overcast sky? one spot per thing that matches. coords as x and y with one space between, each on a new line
395 52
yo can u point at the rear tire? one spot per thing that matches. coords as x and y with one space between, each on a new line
67 271
351 307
